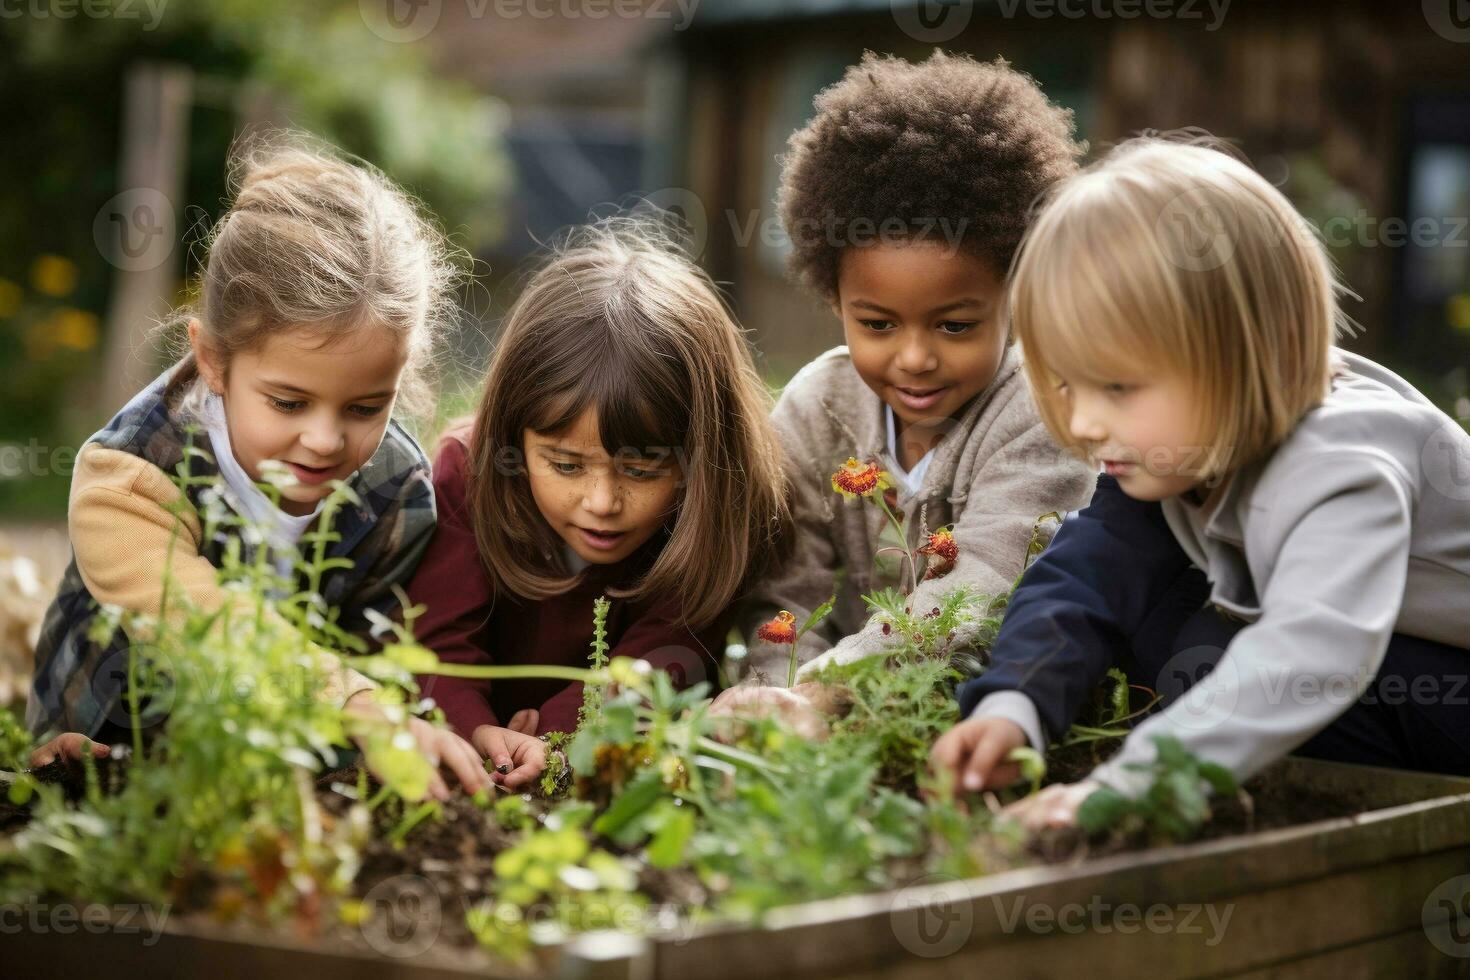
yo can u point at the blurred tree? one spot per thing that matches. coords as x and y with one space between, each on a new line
314 66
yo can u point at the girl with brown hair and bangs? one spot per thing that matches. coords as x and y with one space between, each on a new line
622 448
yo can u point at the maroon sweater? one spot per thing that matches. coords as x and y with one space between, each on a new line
462 626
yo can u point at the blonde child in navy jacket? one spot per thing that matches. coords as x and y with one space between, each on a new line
1280 544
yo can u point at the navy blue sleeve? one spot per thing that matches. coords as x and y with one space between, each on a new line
1081 604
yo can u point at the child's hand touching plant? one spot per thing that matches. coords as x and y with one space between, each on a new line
977 753
1054 807
518 756
440 746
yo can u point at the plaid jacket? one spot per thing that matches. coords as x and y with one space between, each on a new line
77 683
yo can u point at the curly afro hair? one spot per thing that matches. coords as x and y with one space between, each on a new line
949 147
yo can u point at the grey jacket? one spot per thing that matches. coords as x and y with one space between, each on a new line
1356 527
991 476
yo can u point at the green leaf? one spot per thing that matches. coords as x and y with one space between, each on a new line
666 850
636 798
1103 810
395 760
411 657
1171 752
818 614
1221 780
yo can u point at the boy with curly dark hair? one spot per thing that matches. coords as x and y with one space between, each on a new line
905 199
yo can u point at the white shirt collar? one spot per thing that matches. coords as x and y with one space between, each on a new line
245 498
911 479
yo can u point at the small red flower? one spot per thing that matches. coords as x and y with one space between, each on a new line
856 479
782 629
944 550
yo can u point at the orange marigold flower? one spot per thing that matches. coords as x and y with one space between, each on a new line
782 629
856 479
945 551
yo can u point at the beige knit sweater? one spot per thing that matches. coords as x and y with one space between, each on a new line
991 477
123 516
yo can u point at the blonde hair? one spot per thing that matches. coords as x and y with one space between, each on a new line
620 321
314 240
1176 257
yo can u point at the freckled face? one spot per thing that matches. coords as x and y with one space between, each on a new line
604 507
320 409
922 324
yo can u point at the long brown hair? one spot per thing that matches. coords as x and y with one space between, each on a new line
620 321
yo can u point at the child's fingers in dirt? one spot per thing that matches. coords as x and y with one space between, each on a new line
461 759
68 747
524 773
490 742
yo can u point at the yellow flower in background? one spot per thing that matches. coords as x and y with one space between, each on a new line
1457 311
10 296
53 275
76 329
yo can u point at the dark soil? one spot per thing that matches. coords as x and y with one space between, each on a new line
445 866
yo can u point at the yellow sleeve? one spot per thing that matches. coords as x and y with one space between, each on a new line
122 517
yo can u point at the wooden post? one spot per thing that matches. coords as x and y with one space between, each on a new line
138 230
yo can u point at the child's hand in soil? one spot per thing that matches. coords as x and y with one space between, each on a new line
976 752
439 745
69 748
518 758
794 706
1054 807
